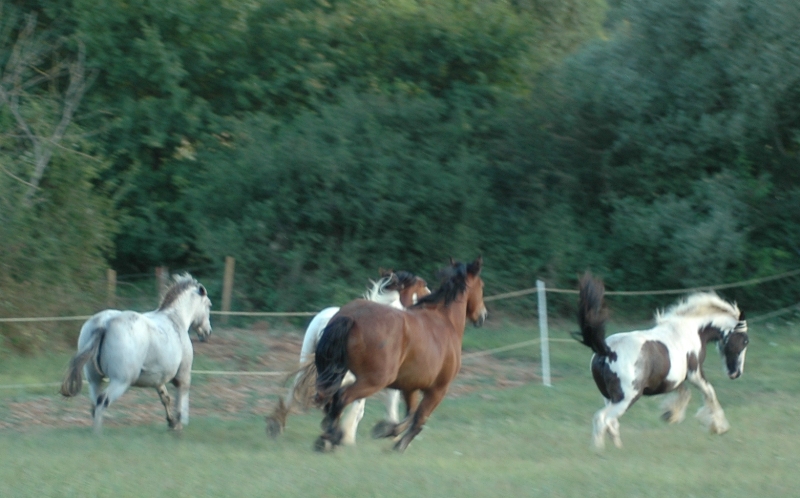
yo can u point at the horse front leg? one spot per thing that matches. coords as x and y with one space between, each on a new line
430 401
711 413
387 428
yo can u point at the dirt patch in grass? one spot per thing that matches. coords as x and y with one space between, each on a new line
233 396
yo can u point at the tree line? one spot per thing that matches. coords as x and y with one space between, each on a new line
653 142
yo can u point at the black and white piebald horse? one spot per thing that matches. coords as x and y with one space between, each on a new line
628 365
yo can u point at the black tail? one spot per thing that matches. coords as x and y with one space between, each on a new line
592 314
330 358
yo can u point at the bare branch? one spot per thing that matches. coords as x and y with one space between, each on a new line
22 73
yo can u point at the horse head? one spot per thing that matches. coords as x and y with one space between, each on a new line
201 319
476 309
411 287
733 347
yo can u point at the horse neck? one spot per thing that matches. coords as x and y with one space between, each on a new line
456 314
179 313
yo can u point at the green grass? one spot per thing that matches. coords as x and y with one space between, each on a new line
525 441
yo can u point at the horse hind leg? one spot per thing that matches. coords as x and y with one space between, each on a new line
114 390
350 420
333 434
392 402
163 394
95 380
607 420
675 404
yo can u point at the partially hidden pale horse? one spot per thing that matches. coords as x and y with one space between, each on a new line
414 350
396 289
143 350
659 360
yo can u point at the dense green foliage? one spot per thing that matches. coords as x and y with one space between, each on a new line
314 140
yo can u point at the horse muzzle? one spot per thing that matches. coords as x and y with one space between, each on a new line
735 375
481 319
202 335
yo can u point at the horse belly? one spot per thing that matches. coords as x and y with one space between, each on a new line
152 379
426 370
157 370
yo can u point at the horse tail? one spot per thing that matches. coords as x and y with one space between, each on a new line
592 315
302 393
73 379
330 358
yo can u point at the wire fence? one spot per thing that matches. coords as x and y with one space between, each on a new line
467 356
495 297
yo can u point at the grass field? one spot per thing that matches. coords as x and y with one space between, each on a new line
511 438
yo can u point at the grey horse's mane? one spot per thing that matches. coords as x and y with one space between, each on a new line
181 283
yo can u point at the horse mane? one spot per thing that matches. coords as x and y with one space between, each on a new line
405 278
379 294
699 304
454 283
179 286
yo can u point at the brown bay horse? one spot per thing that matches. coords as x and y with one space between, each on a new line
414 350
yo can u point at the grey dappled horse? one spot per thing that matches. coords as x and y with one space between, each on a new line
143 350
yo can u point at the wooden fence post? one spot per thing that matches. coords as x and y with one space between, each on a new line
162 280
227 286
111 289
545 341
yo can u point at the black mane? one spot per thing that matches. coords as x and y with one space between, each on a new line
454 283
405 278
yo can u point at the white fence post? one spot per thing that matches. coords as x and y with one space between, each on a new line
540 291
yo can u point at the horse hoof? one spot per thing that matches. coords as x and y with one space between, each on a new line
666 416
720 428
401 446
274 428
323 445
382 429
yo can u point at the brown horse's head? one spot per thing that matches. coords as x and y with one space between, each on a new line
458 280
476 309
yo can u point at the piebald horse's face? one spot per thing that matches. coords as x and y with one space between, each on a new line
410 294
734 347
201 322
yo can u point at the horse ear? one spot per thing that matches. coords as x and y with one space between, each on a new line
202 291
452 261
476 266
384 272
